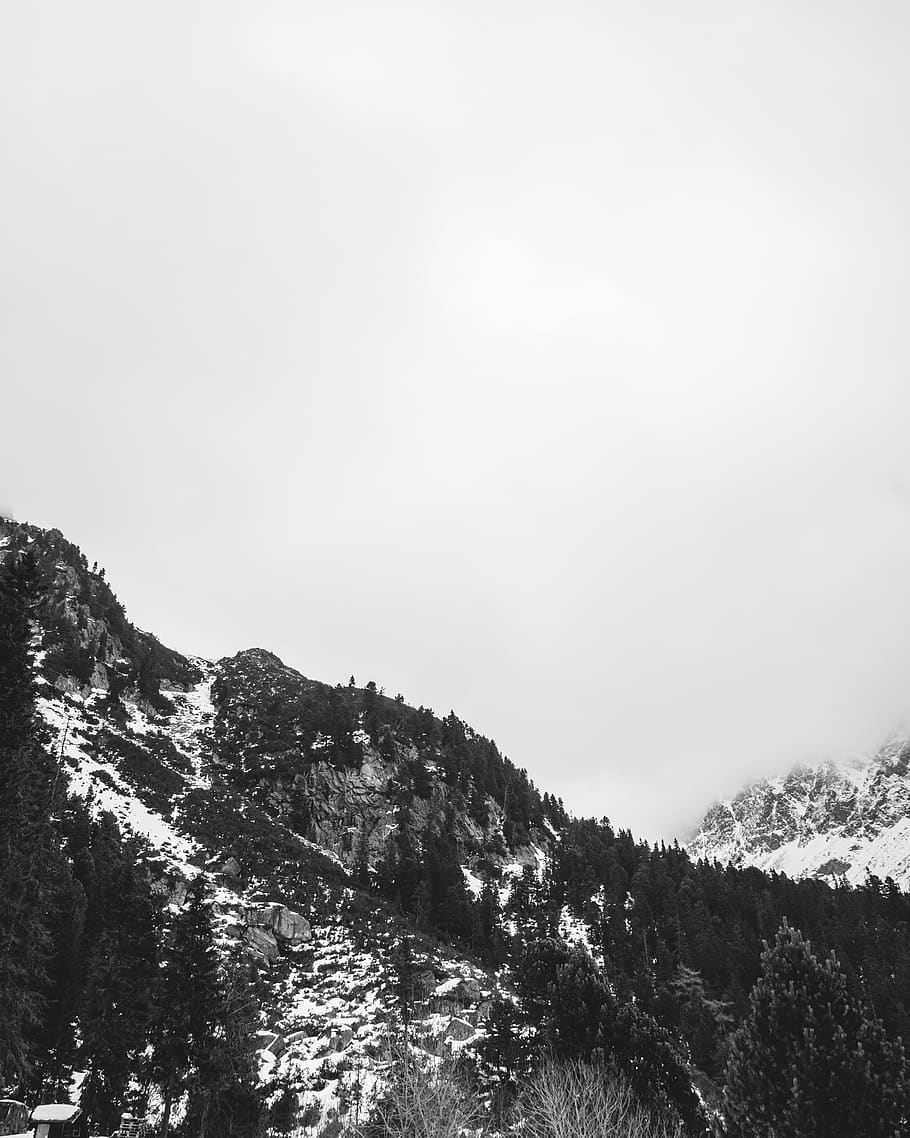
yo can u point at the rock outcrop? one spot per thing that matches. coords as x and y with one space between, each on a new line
280 921
262 943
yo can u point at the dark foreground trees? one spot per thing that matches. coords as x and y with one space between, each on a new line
204 1035
577 1017
30 858
809 1061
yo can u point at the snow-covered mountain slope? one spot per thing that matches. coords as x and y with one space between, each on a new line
283 793
832 821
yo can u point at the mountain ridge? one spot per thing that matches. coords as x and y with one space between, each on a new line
833 820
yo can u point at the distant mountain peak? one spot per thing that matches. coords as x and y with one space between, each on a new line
835 821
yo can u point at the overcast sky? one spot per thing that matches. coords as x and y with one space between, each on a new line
547 362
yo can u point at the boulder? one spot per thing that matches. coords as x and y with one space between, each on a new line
231 868
460 989
261 942
259 916
292 927
459 1030
178 892
281 920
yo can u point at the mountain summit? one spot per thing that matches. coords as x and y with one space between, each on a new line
836 822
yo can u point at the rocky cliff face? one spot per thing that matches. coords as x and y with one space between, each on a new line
343 765
835 822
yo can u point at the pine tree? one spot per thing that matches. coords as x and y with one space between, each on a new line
703 1022
30 862
490 924
190 993
808 1061
53 1043
122 928
503 1048
203 1042
405 969
225 1100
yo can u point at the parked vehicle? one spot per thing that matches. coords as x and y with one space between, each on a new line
13 1116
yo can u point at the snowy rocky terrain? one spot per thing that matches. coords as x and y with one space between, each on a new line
226 770
833 821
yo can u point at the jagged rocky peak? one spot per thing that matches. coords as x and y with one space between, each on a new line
835 821
85 642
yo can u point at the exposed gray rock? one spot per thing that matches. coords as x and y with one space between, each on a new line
458 1029
68 684
292 927
178 892
353 810
282 921
262 943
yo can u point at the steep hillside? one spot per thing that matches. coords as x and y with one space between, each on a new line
290 797
376 863
833 822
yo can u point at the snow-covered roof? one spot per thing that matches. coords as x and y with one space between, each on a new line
55 1112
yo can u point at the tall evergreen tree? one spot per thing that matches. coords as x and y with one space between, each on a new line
29 848
121 971
808 1061
189 994
203 1042
53 1043
225 1101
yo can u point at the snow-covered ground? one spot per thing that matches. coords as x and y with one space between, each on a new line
341 1016
101 782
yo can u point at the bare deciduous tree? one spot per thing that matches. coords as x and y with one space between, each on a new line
576 1100
423 1100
